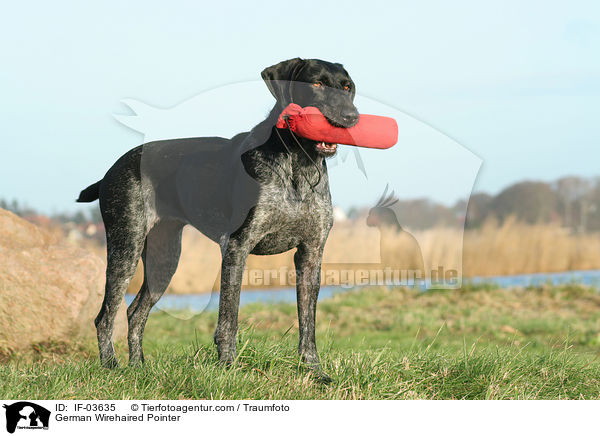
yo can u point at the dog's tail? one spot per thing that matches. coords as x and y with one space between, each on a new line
89 194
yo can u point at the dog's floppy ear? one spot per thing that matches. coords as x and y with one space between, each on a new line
279 78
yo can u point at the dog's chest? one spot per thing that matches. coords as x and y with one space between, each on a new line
284 224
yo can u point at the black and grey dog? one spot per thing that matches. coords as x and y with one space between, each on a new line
261 192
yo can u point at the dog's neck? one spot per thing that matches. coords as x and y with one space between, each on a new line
306 168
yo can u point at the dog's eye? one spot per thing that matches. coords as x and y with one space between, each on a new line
317 84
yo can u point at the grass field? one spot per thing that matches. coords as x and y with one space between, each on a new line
476 343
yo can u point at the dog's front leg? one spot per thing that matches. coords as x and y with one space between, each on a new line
308 277
232 269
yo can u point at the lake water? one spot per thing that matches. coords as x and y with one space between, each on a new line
202 302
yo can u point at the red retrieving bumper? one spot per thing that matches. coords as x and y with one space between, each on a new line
371 131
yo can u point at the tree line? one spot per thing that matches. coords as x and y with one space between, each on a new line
573 202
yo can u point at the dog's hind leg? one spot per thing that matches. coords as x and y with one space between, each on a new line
160 256
124 241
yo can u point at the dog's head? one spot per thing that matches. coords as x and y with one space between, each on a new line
313 82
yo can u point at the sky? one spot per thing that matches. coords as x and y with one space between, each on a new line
515 84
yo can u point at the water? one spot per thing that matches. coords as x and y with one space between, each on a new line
591 278
202 302
210 301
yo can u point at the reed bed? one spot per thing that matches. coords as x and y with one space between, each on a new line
491 250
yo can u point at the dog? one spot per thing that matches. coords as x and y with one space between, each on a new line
262 192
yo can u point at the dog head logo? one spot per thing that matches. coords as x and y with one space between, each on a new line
26 415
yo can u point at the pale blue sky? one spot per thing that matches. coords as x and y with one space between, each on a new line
517 83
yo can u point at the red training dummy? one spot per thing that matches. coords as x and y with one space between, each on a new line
371 131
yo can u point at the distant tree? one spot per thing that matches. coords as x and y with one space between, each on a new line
78 217
593 216
356 213
531 202
478 209
17 208
573 193
95 215
423 213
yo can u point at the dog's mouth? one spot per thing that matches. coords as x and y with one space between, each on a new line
326 148
334 123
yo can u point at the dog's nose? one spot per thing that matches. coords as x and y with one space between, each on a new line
350 116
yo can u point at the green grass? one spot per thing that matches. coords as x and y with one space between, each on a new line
476 343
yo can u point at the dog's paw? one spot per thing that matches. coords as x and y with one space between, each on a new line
136 363
226 356
321 377
110 363
317 373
